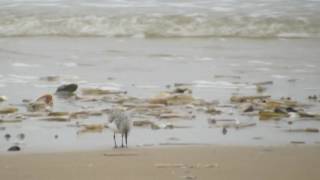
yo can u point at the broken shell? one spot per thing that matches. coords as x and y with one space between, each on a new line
46 99
3 98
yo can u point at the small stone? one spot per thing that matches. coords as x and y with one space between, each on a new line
68 88
7 136
14 148
21 136
224 131
50 78
56 136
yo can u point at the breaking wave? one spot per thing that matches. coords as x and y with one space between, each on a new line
162 19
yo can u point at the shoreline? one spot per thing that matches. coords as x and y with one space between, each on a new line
190 162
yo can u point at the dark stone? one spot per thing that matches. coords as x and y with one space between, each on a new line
224 131
290 109
14 148
21 136
69 88
7 136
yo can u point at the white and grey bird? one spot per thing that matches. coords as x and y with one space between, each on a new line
120 123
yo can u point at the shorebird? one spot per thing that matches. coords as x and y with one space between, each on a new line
120 123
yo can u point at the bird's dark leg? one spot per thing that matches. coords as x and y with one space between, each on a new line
126 137
114 139
122 140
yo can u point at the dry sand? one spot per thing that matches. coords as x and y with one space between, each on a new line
197 162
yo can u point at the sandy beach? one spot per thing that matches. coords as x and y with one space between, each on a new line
195 162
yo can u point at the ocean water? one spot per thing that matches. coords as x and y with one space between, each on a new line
161 18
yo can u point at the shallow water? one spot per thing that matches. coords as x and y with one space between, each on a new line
143 68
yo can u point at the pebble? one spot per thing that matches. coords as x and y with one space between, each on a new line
7 136
21 136
224 131
69 88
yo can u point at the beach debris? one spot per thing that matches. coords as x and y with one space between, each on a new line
41 104
56 118
309 115
8 110
3 98
263 83
212 110
11 118
171 99
58 113
37 106
172 115
7 137
313 97
91 128
50 78
260 89
14 148
224 130
310 130
99 91
247 108
244 125
21 136
46 99
142 123
267 115
242 99
182 90
67 89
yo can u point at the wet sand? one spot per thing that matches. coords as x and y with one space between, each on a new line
196 162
